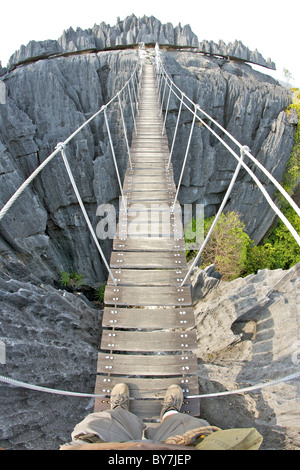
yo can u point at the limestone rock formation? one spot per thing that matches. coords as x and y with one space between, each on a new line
51 339
131 31
235 50
45 226
248 334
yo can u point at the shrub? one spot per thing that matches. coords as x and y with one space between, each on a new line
291 176
227 246
71 280
286 249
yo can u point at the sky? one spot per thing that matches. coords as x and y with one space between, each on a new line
266 25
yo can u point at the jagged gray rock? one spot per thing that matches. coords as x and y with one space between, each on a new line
130 31
235 50
247 335
51 340
46 226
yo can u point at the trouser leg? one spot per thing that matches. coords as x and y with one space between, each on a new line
116 425
176 424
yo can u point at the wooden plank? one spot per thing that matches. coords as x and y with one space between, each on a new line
146 206
147 387
148 341
152 217
149 164
149 277
137 231
146 365
145 296
149 244
148 317
150 409
146 409
146 187
155 154
150 260
165 196
147 179
149 141
149 171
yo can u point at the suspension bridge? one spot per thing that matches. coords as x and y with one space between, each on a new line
148 334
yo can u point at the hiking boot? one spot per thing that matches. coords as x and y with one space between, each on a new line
119 397
173 400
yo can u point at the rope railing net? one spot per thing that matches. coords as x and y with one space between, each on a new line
165 81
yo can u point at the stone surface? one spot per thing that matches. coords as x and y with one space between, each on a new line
235 50
51 340
130 31
248 333
45 226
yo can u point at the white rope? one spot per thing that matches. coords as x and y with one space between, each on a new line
17 383
245 166
260 166
26 183
80 202
287 378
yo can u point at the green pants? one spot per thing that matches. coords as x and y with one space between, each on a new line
120 425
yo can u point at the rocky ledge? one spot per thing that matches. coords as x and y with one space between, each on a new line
248 334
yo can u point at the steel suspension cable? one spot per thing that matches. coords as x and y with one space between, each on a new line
71 177
253 388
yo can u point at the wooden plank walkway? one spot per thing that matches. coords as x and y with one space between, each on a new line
148 334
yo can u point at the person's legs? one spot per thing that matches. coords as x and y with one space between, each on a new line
114 425
172 421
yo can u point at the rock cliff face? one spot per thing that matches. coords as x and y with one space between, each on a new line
46 102
51 339
55 332
130 31
248 334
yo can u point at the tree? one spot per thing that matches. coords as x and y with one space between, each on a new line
227 246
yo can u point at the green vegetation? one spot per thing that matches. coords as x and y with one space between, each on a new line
234 254
279 250
99 293
71 280
227 246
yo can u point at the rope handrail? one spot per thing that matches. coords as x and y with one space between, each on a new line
20 190
18 383
234 140
243 149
